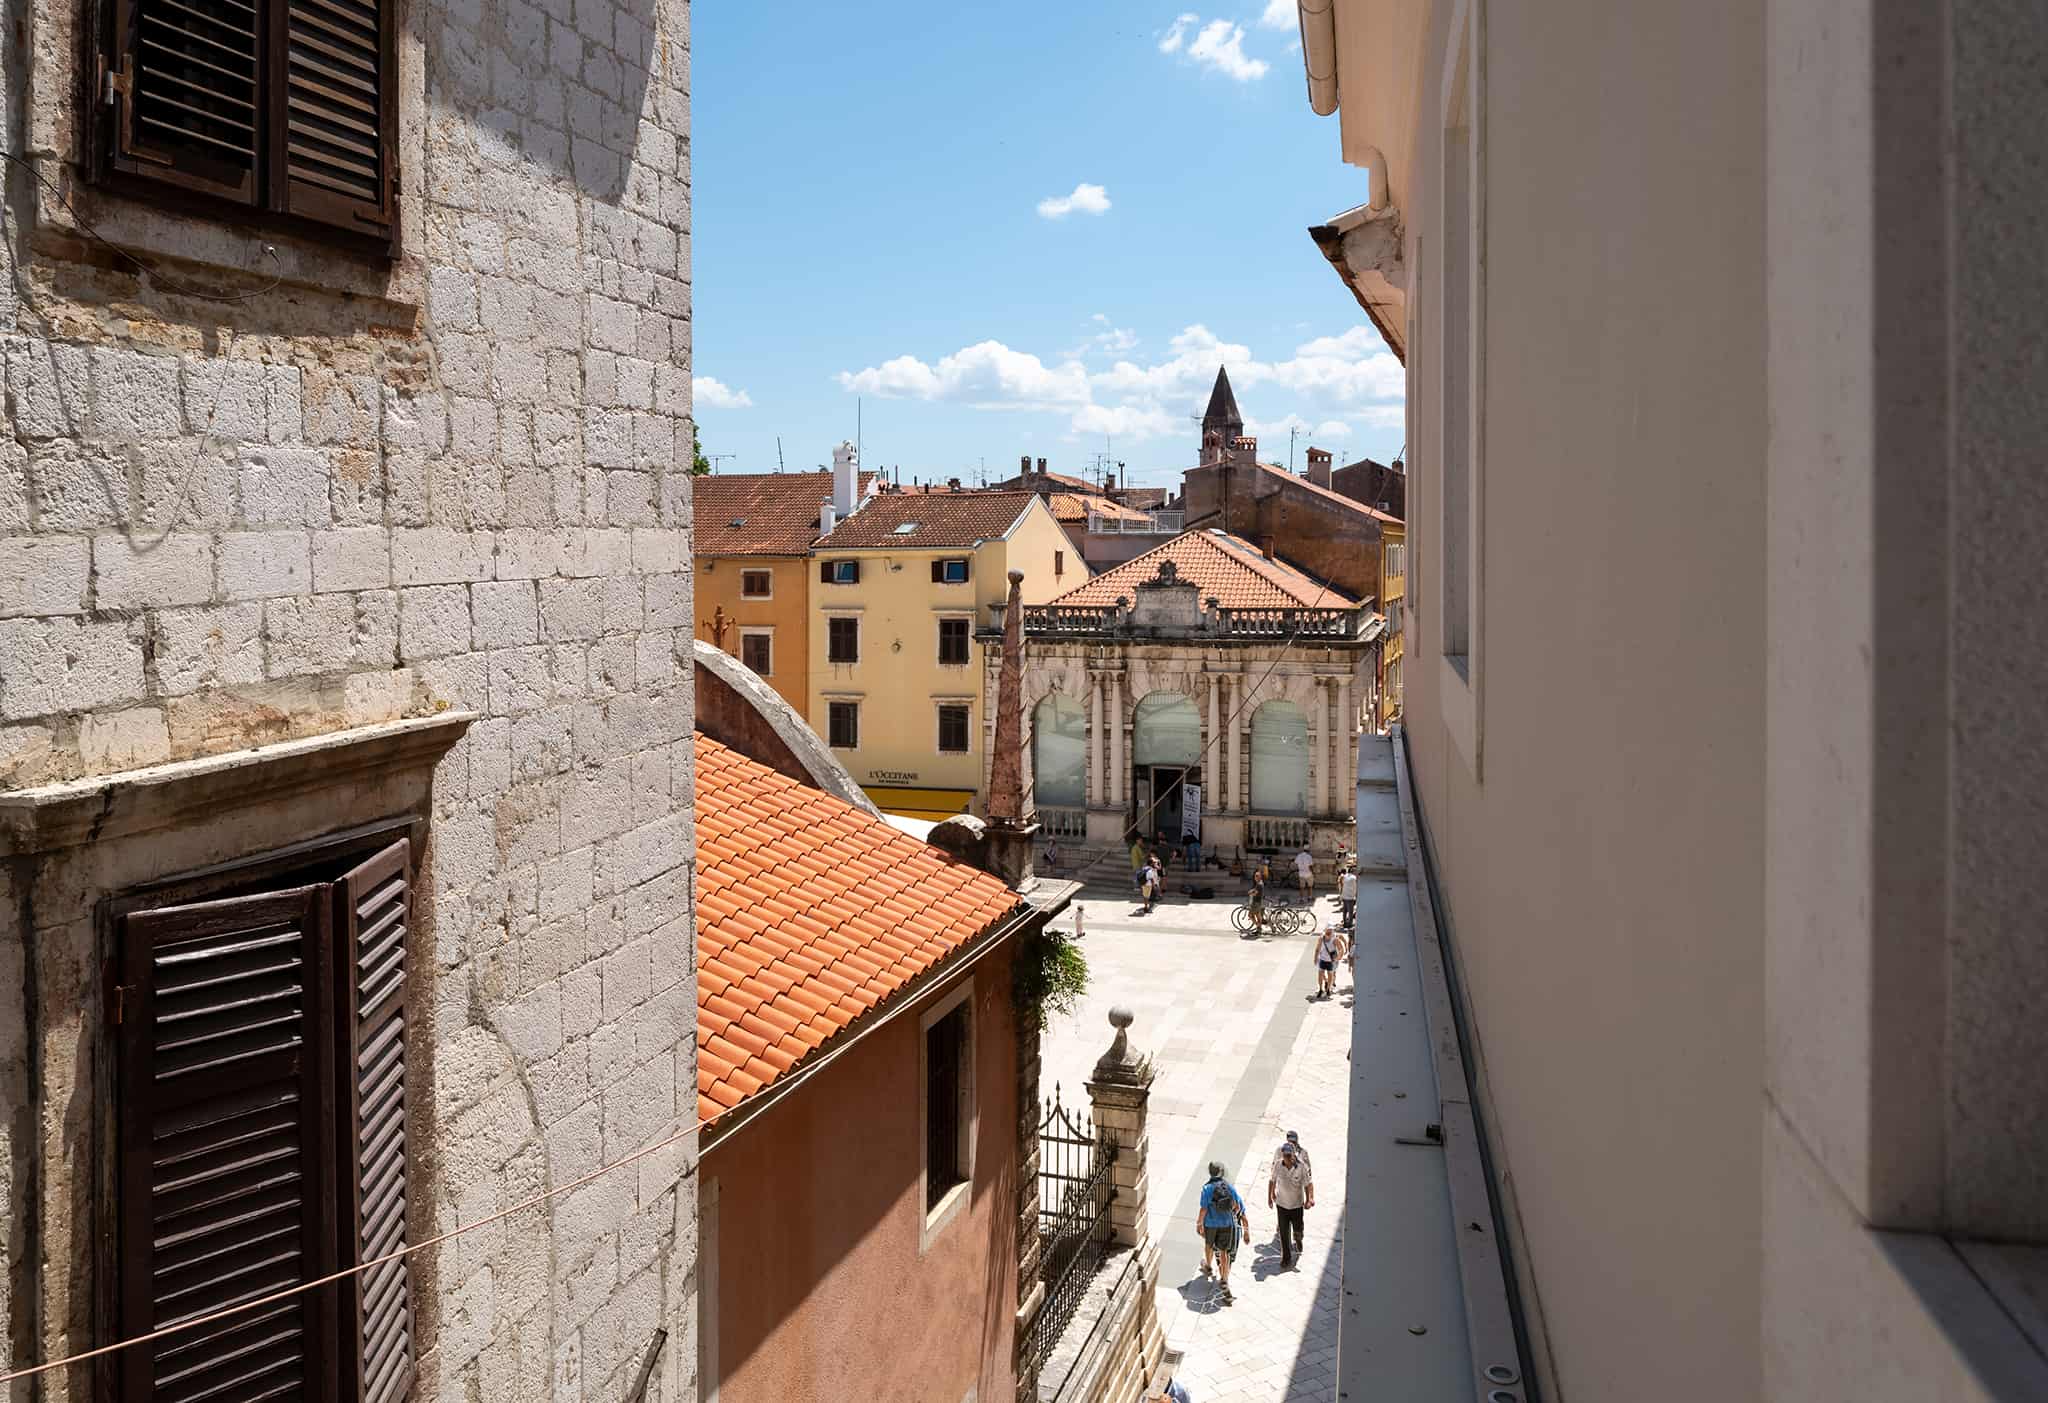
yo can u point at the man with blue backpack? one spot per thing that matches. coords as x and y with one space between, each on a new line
1222 1225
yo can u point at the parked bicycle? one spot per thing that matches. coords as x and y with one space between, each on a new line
1282 918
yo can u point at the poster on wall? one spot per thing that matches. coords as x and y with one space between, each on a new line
1191 811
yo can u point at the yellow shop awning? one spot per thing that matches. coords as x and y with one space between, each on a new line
933 805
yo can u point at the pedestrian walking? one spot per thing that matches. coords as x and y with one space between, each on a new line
1293 1141
1290 1192
1347 897
1137 854
1154 880
1329 949
1193 856
1052 855
1305 872
1220 1221
1256 900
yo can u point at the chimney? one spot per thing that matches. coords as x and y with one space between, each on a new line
1319 466
827 519
953 483
1266 545
1024 467
845 479
1041 467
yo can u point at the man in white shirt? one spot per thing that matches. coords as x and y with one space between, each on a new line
1305 871
1329 950
1347 898
1290 1189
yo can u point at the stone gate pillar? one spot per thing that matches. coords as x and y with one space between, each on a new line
1120 1090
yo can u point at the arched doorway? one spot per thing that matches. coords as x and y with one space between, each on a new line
1279 760
1166 755
1059 757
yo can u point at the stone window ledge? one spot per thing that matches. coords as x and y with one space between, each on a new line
51 817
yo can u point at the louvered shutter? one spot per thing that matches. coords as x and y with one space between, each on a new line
374 918
187 78
337 126
938 572
225 1144
824 572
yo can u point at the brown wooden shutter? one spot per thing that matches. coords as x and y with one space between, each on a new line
225 1038
186 77
824 572
374 903
337 126
938 572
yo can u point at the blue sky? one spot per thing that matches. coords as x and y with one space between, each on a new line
878 195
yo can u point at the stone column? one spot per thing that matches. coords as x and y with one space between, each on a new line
1318 748
1119 1092
1095 767
1347 736
1212 747
1230 722
1119 769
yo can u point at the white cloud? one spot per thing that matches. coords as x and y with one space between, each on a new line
1088 199
1327 385
988 375
1280 14
1220 46
1170 43
716 394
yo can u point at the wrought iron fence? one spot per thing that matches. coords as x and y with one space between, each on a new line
1074 1194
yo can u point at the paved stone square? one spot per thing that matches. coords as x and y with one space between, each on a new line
1242 1054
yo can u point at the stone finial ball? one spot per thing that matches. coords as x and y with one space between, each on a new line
1121 1017
1016 577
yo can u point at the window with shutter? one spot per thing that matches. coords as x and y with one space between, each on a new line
261 1132
288 106
226 1145
374 908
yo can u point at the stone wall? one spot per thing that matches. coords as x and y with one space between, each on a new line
1326 538
368 491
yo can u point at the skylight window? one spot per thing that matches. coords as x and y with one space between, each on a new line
905 529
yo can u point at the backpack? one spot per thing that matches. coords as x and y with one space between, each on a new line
1221 1196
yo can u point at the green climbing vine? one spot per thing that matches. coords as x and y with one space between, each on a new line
1052 974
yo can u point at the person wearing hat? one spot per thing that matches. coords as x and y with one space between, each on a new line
1219 1222
1294 1139
1290 1190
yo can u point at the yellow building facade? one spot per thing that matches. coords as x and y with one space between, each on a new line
1393 602
896 593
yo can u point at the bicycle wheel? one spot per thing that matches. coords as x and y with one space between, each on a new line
1241 918
1300 921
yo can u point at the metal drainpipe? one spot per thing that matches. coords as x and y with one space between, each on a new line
1319 53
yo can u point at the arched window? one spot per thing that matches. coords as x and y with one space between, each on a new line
1059 753
1168 731
1279 759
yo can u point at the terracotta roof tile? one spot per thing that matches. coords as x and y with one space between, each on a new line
810 915
1073 506
760 513
1226 568
945 521
1327 493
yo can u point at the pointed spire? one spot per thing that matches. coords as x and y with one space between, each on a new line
1222 412
1006 771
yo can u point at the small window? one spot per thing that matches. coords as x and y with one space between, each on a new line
842 724
1059 563
279 106
949 572
757 651
757 584
842 640
839 572
905 529
948 1118
953 637
953 728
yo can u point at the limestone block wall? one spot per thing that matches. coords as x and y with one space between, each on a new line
362 491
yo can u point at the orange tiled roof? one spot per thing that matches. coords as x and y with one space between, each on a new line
943 520
1074 506
811 914
1226 568
1328 494
760 513
1072 484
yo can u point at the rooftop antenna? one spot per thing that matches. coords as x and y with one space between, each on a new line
1293 433
856 431
716 458
778 453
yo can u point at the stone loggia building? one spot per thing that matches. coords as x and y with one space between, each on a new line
345 752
